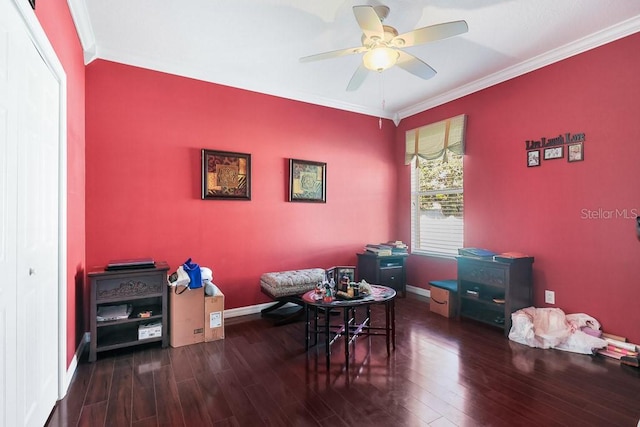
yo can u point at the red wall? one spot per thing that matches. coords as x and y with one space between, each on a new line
550 212
145 131
56 20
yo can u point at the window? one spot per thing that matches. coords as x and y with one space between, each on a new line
435 153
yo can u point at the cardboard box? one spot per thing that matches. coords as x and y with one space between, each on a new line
442 302
213 318
186 314
150 330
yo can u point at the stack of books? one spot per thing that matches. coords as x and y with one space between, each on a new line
509 256
618 348
389 248
380 250
476 253
398 247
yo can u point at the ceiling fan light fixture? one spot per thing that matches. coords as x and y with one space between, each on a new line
380 58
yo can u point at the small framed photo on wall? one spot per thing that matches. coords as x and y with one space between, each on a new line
533 158
553 153
575 152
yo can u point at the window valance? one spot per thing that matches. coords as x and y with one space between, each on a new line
435 140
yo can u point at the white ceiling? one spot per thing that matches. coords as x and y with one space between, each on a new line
256 44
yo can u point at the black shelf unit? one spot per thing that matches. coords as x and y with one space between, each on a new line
387 270
145 289
489 291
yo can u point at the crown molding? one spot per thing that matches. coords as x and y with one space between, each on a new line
82 22
80 15
625 28
194 73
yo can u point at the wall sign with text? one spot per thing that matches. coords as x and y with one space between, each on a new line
555 148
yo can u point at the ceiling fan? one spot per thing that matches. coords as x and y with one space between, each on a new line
382 45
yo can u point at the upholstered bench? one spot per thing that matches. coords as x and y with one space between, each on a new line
288 287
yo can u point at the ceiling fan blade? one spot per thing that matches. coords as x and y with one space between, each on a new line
333 54
357 78
369 21
430 33
415 66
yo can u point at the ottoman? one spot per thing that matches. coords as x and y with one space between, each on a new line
288 287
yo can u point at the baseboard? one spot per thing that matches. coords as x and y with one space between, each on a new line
419 291
71 370
250 309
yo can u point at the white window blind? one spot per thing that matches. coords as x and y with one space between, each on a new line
437 213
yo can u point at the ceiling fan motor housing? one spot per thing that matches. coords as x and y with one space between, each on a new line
389 34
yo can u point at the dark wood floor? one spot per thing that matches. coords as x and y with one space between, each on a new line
442 373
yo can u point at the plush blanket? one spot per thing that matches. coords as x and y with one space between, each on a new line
552 328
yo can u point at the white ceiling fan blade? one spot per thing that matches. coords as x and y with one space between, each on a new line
415 66
369 21
333 54
430 33
357 78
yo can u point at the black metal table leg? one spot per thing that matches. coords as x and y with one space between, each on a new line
393 322
327 337
307 335
345 311
387 318
315 326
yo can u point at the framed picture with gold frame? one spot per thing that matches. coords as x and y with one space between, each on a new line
307 181
226 175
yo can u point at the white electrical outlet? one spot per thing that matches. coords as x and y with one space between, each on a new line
549 297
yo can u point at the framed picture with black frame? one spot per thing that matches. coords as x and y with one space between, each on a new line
226 175
553 153
533 158
307 181
575 152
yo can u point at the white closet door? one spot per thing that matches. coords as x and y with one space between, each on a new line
8 197
32 140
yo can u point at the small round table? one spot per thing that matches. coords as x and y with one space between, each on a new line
351 328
